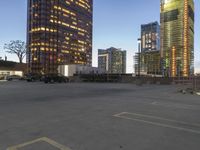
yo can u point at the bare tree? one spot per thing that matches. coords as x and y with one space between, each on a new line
16 47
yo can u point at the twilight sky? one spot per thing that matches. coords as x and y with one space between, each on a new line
116 23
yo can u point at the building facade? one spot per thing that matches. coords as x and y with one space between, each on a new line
112 60
151 63
59 32
8 68
147 63
150 37
177 37
147 59
74 70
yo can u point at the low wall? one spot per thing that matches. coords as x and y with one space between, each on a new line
122 78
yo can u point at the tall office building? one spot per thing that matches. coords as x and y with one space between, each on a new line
58 32
177 37
150 37
147 60
112 60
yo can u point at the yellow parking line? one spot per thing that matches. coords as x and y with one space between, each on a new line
43 139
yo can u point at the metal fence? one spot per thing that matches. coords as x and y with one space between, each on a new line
191 82
196 83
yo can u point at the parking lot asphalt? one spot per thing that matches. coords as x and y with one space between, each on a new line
97 116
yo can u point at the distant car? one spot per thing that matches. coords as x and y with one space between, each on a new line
2 77
33 77
13 77
52 78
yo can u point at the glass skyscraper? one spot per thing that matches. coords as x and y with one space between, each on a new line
177 37
150 49
150 37
59 32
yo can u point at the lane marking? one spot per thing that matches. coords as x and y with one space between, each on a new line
120 115
43 139
159 118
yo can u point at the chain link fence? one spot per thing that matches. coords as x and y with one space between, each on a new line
191 84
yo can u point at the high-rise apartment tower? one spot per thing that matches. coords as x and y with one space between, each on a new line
150 37
59 32
112 60
177 37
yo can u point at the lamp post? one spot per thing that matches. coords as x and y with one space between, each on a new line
139 56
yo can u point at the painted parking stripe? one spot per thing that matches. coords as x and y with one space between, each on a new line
43 139
140 118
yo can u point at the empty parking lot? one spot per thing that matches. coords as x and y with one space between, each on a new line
97 116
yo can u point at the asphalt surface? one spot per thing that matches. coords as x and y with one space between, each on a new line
92 116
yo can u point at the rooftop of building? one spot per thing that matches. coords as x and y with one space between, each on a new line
151 23
10 65
112 49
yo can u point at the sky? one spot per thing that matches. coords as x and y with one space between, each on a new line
116 24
